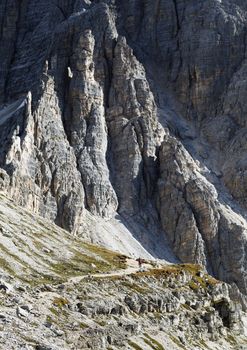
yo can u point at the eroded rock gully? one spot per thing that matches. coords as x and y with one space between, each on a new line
130 107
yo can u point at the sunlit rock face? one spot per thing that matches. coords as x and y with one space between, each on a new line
135 108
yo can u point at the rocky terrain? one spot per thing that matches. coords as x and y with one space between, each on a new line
123 123
58 292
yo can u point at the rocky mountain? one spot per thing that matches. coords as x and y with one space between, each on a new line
123 122
58 292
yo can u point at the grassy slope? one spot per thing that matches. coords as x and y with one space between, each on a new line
37 251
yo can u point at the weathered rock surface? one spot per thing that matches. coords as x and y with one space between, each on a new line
192 215
63 293
130 107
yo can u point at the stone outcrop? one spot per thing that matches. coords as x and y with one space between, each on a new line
192 215
133 131
135 108
62 293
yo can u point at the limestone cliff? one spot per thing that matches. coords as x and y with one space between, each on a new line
133 107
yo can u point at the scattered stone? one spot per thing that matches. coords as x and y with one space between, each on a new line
6 287
46 250
58 332
22 312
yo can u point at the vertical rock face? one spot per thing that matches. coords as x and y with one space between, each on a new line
133 130
87 127
131 107
199 44
200 228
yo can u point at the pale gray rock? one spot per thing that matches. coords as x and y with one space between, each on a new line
88 89
133 131
194 219
21 312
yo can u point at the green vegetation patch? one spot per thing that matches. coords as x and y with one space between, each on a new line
79 264
230 339
134 345
102 323
15 258
186 306
114 259
135 287
177 342
154 344
6 267
149 343
82 264
60 302
203 343
34 281
83 325
193 285
195 271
